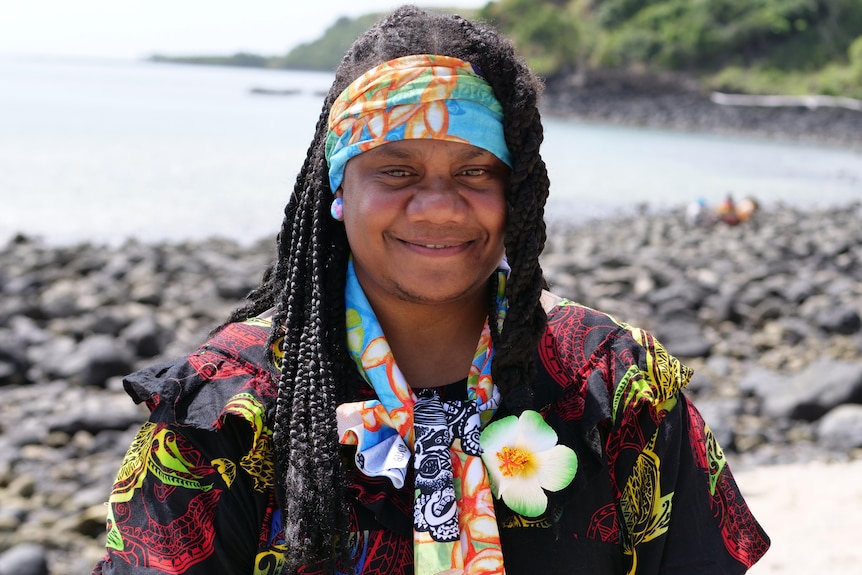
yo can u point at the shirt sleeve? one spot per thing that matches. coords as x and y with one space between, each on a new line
185 501
681 510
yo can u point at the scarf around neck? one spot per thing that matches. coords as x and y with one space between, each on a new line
454 525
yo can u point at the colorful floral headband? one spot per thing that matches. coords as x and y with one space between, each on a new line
415 97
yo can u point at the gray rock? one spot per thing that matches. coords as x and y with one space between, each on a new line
797 291
761 382
11 516
62 299
701 382
820 387
841 428
55 358
14 364
769 308
145 337
794 330
106 320
720 414
689 295
723 306
719 365
94 421
840 319
683 338
24 559
102 357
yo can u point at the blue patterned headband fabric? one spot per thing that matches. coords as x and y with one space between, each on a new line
415 97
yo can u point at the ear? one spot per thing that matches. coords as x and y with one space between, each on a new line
339 193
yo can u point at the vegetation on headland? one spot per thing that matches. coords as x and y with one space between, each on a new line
325 53
240 59
753 46
750 46
321 54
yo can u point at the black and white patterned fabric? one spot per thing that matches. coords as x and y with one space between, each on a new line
437 424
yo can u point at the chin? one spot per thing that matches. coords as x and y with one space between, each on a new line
423 295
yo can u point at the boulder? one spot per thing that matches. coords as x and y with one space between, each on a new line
814 391
24 559
102 357
841 428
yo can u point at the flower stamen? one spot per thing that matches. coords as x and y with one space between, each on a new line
512 460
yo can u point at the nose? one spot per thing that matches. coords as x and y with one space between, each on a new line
437 199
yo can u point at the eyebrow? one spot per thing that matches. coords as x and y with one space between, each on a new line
394 151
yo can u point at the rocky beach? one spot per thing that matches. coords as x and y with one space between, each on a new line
767 312
671 102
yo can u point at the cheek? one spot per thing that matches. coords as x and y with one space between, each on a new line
354 225
364 218
493 214
356 212
371 207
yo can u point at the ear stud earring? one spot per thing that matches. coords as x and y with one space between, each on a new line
336 210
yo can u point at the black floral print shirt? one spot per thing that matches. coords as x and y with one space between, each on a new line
653 492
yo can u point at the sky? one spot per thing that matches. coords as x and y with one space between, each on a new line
124 29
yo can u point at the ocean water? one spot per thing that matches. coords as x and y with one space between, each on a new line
102 151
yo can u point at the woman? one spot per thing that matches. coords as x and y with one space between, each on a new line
346 419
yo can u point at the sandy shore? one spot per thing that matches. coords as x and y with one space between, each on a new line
813 514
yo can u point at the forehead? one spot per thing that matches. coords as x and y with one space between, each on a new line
427 148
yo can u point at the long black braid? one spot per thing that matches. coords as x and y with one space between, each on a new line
306 284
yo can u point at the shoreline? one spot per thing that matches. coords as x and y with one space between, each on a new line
671 103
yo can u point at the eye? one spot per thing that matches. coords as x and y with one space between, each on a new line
474 172
397 172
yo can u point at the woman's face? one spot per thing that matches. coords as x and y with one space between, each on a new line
425 219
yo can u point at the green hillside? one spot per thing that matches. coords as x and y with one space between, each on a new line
755 46
751 46
325 53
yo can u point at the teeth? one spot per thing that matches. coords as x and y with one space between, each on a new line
435 246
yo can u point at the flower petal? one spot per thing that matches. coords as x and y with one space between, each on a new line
534 432
494 476
524 496
499 433
495 436
556 467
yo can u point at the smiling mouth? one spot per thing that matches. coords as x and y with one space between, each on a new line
438 246
435 243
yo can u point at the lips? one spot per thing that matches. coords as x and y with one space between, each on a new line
437 244
445 240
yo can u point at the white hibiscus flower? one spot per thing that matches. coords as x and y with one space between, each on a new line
523 460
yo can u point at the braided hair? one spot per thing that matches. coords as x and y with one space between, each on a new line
306 284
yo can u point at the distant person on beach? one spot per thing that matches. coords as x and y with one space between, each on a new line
734 213
401 394
746 209
697 213
726 211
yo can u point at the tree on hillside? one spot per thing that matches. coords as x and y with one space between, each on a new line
551 34
325 53
767 39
